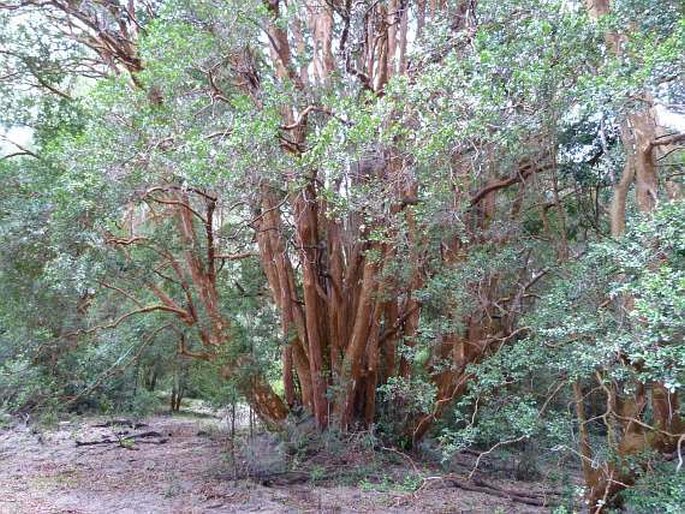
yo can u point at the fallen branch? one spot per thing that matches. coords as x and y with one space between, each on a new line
127 440
487 452
542 499
150 433
121 423
479 485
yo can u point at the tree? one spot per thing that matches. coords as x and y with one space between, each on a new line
404 185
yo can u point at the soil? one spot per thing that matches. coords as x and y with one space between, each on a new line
186 467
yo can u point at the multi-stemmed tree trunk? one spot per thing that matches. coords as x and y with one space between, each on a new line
344 313
334 314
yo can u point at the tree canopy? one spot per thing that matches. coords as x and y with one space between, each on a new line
458 218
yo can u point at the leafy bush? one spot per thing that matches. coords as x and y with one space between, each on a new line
659 491
403 401
23 385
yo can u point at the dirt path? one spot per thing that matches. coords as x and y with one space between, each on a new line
48 473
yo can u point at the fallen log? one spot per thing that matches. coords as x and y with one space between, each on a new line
128 439
285 478
150 433
545 499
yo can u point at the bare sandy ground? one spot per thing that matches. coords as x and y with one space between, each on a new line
46 472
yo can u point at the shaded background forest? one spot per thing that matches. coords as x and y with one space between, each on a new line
454 221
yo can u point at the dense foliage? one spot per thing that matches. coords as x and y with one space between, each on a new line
455 219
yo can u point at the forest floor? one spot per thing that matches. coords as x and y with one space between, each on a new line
185 464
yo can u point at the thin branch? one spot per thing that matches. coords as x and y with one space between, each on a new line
124 317
126 241
148 339
219 134
672 150
23 149
172 187
181 204
182 349
121 291
497 445
17 154
52 89
170 305
501 184
667 139
646 425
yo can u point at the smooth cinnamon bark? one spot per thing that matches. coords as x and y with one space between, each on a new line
307 231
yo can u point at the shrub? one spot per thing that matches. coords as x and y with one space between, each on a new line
660 490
